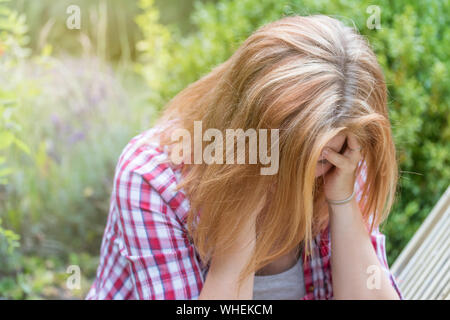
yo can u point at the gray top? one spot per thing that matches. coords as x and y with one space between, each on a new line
287 285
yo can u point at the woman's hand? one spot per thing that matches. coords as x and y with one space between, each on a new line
352 251
222 280
339 181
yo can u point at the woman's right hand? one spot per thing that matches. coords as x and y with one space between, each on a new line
223 275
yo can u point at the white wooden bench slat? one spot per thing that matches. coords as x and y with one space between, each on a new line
423 272
418 262
423 267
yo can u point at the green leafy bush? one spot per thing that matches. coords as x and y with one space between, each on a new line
12 40
107 27
44 169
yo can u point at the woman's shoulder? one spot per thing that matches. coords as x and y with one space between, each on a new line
145 163
141 151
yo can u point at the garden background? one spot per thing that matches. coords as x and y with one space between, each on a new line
70 100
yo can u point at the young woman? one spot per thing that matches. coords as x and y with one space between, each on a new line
225 231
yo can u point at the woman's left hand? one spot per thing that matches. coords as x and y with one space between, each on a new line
339 181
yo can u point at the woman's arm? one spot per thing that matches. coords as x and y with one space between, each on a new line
356 269
354 262
222 279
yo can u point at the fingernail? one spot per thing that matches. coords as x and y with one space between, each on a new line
325 151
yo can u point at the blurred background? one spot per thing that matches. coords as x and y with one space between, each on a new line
71 98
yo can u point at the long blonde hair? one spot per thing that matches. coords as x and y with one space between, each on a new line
311 77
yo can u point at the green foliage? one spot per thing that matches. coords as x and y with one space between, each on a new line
412 46
9 242
75 117
76 126
12 41
107 26
45 278
106 30
26 98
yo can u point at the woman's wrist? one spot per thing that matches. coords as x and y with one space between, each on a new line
341 202
342 209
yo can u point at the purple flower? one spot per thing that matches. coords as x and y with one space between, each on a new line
77 136
56 120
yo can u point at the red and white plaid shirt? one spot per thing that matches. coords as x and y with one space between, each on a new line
146 252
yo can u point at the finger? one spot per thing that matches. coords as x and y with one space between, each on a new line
352 142
335 158
353 148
